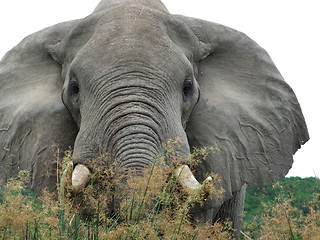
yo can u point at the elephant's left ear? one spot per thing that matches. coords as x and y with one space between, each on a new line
33 118
246 109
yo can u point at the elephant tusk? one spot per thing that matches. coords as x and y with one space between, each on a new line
188 181
80 177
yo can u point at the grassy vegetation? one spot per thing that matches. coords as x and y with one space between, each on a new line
288 209
300 191
151 206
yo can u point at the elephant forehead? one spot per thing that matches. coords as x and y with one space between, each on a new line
130 19
135 37
126 53
156 4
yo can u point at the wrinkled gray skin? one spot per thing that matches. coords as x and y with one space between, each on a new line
130 76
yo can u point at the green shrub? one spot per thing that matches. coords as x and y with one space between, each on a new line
288 209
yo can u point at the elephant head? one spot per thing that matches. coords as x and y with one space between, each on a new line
131 76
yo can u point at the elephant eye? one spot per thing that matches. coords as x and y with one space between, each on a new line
74 87
187 87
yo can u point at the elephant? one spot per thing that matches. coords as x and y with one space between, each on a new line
130 76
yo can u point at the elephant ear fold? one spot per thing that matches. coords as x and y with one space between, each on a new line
32 115
246 109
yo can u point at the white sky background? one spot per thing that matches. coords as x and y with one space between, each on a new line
288 29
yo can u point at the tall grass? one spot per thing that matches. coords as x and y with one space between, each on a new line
122 205
116 204
282 220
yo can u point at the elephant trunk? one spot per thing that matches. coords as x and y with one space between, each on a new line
135 144
130 123
132 135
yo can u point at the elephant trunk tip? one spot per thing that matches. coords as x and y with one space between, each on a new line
80 177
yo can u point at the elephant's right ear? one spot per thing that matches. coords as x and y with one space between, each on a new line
32 115
246 109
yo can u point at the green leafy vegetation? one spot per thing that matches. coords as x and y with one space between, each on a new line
288 209
300 190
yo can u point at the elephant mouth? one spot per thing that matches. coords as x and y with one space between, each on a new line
81 175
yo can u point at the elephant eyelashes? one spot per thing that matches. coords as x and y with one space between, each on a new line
70 98
74 87
73 94
187 87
